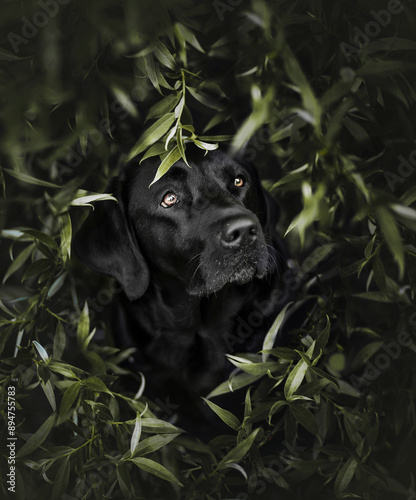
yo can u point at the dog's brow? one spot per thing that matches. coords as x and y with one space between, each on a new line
177 173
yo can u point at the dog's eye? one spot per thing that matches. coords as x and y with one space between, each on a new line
169 199
239 181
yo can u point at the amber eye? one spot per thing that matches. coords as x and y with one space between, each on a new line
239 181
169 199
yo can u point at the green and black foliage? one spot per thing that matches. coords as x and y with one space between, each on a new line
322 97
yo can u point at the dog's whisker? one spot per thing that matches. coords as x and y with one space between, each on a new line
194 257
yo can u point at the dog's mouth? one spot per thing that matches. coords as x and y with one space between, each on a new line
215 272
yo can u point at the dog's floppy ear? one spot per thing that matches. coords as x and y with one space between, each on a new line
107 244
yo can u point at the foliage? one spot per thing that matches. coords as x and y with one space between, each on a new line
321 96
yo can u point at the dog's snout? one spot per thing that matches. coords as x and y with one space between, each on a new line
239 230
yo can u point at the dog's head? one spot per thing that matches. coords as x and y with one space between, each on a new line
204 226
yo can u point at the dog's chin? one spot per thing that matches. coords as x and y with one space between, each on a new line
215 283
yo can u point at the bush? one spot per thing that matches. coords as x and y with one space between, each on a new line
320 96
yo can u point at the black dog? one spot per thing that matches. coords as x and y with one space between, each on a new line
196 253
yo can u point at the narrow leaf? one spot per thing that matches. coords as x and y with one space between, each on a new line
295 378
19 261
152 134
42 352
154 443
83 326
66 236
305 418
239 452
37 438
345 476
136 435
155 468
225 415
273 332
30 180
172 157
68 399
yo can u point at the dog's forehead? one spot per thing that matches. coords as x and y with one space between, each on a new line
199 171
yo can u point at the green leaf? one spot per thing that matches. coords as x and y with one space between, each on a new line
295 378
325 376
43 237
85 201
156 150
30 180
137 431
68 399
57 285
152 72
124 480
163 107
235 383
274 330
152 134
379 274
345 476
154 443
96 385
42 352
391 235
284 353
239 468
323 338
88 340
254 368
59 341
186 34
409 197
37 268
102 411
160 426
66 236
225 415
48 390
206 146
305 418
295 73
83 328
276 407
62 478
155 468
35 441
19 261
171 158
365 354
163 54
205 99
125 100
181 145
259 116
240 451
64 369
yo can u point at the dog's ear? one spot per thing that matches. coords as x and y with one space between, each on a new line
107 244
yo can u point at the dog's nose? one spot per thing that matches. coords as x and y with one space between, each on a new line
239 230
